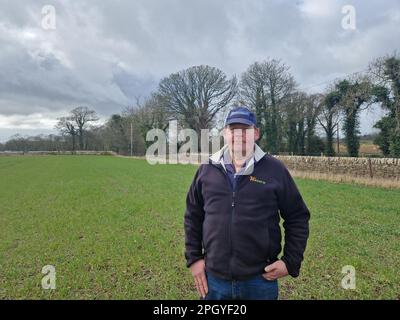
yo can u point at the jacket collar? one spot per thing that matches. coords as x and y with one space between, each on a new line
217 158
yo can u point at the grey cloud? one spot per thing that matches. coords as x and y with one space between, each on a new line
105 54
133 86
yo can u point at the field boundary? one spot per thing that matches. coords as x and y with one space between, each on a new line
341 178
377 172
384 168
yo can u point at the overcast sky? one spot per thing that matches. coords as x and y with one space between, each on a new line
105 53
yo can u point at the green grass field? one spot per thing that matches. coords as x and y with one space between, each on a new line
113 229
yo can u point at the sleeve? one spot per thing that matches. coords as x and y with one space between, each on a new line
296 217
193 222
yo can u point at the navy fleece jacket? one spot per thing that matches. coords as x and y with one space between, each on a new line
237 230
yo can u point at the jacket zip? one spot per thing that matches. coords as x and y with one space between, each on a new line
230 232
234 191
232 213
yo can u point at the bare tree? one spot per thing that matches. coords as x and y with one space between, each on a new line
197 94
82 116
66 126
294 122
329 118
265 86
152 113
146 114
17 142
75 124
314 105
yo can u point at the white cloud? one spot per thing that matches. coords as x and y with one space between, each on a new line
319 8
32 122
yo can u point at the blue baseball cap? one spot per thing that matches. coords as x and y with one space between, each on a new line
241 115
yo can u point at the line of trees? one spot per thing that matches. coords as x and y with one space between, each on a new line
290 120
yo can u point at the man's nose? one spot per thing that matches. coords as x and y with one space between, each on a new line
239 133
240 136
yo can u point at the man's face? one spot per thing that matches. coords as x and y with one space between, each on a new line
240 138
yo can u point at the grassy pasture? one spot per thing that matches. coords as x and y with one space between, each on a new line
113 229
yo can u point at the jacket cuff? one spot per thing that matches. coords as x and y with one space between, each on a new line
193 260
292 268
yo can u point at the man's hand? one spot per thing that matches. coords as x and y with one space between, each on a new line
275 271
199 275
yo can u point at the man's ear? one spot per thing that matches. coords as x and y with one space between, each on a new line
256 134
223 133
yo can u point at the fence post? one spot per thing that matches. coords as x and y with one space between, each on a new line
370 168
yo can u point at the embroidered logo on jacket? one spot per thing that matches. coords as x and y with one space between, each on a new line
254 179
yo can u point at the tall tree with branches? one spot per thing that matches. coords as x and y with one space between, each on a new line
329 119
314 103
81 117
196 95
265 86
75 124
385 73
66 126
294 115
355 96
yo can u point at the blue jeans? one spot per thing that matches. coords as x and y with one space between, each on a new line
256 288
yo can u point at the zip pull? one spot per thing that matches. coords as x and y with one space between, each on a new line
233 199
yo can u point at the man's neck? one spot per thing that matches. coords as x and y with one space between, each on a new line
238 159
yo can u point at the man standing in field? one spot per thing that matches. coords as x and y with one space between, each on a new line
233 210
